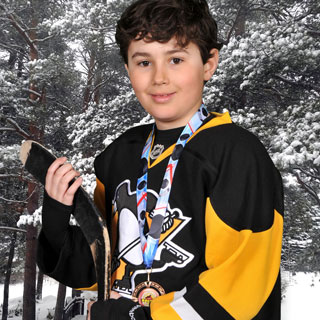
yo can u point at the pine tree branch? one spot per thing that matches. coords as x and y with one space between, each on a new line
44 39
12 229
97 87
307 173
297 83
19 28
33 92
19 201
18 129
226 42
307 188
16 176
11 47
5 176
7 129
13 201
304 15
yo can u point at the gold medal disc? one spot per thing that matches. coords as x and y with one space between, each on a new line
146 291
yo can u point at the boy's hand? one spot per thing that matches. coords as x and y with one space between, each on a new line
58 177
113 295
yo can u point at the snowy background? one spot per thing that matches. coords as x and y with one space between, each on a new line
301 297
63 84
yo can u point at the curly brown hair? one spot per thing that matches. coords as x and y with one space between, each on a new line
161 20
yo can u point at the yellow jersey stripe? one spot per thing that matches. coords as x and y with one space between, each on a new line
243 265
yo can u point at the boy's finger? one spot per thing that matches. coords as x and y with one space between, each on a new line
69 195
49 182
62 170
58 183
56 164
53 168
64 180
62 184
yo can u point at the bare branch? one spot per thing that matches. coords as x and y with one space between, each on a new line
312 32
109 28
44 39
5 176
13 201
297 83
11 47
7 129
33 92
19 201
20 177
58 103
19 28
304 15
12 229
99 85
307 173
232 28
307 188
18 129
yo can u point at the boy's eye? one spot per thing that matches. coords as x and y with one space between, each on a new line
144 63
176 60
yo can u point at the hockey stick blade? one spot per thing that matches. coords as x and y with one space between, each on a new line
36 160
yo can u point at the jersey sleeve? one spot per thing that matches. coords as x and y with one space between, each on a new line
68 260
243 225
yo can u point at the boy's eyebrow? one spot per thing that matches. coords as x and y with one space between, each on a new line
148 55
141 54
178 51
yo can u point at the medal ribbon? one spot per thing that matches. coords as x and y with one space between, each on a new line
150 243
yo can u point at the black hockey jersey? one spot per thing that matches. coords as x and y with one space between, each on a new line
220 246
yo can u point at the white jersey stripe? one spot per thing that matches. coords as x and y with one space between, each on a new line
184 310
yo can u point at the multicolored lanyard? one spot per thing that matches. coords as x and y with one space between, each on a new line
150 243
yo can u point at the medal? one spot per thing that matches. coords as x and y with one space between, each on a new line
146 291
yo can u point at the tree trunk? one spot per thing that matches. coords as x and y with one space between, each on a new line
240 24
98 80
29 292
39 285
58 313
29 289
87 91
30 35
7 277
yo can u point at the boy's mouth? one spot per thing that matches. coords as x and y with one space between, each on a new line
162 97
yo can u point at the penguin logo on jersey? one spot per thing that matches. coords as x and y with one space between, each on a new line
127 261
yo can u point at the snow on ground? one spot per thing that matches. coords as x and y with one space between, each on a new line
43 307
301 297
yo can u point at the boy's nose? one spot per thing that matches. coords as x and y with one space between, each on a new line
160 76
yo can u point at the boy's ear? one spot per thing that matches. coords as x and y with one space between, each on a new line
211 65
126 66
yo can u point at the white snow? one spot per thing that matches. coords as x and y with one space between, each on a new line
43 307
301 297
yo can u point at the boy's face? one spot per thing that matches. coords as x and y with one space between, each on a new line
168 80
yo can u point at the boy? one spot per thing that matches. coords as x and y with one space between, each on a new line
194 203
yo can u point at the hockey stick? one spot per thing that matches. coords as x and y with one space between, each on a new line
37 159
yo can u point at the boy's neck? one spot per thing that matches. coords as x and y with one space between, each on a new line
169 126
